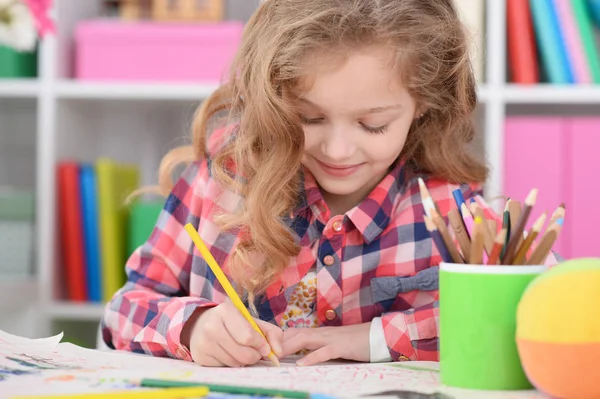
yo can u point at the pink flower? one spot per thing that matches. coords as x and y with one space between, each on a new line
40 9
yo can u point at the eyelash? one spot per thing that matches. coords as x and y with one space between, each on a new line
368 129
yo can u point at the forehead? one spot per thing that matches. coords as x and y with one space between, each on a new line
352 79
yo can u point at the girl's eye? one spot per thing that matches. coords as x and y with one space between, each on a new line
375 130
310 121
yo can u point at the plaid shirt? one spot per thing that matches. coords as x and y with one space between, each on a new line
380 240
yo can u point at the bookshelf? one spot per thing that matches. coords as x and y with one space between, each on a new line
140 122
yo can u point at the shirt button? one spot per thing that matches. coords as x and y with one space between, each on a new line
330 315
337 226
180 353
329 260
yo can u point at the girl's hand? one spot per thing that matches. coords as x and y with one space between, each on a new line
221 336
326 343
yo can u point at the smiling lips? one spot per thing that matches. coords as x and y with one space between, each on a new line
339 170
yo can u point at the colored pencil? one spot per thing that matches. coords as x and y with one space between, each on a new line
458 197
487 234
541 252
467 219
517 230
440 223
521 254
493 226
194 391
233 296
477 242
559 213
514 210
438 240
459 231
498 245
231 389
506 225
426 198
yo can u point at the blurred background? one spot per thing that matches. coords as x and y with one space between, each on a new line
87 110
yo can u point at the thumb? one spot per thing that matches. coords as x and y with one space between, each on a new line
274 336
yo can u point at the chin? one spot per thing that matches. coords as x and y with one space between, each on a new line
346 187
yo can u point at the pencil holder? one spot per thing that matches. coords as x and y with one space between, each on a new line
478 306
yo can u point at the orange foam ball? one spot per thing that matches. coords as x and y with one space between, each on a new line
558 330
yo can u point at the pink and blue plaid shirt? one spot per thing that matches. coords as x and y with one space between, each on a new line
377 248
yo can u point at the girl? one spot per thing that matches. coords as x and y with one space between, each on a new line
302 180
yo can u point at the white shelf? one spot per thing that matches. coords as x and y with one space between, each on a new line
14 287
75 311
72 89
552 94
22 88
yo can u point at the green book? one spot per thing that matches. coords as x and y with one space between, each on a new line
141 222
583 20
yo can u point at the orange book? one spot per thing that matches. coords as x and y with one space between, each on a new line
522 52
71 230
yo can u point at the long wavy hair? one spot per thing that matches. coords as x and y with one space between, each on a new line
431 58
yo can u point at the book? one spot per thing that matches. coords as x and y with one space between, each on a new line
586 30
594 7
115 182
551 44
522 49
70 215
143 217
573 42
91 232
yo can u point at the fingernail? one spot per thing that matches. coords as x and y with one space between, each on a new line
265 350
300 362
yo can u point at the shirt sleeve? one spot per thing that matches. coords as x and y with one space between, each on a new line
413 334
148 313
378 347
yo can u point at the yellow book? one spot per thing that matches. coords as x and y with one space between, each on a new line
115 182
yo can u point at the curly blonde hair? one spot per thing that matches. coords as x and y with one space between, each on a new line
432 61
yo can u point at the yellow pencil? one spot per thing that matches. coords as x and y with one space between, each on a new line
233 296
167 393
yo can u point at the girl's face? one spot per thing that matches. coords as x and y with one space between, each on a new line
356 116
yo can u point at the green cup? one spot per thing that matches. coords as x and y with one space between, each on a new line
478 306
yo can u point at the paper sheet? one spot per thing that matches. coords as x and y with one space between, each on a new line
48 367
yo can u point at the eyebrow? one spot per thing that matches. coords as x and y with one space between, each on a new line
373 110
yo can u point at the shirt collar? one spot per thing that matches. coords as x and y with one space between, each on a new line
371 216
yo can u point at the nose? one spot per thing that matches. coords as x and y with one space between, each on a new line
337 144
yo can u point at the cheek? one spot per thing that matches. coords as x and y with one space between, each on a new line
386 147
311 138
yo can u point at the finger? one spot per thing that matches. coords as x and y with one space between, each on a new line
318 356
208 361
244 355
223 356
274 336
305 339
243 333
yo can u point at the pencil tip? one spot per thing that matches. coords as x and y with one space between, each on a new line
531 198
539 224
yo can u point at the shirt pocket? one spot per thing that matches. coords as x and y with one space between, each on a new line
385 290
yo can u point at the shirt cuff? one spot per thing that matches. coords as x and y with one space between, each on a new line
377 343
187 306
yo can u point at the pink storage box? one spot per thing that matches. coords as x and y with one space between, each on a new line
151 51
